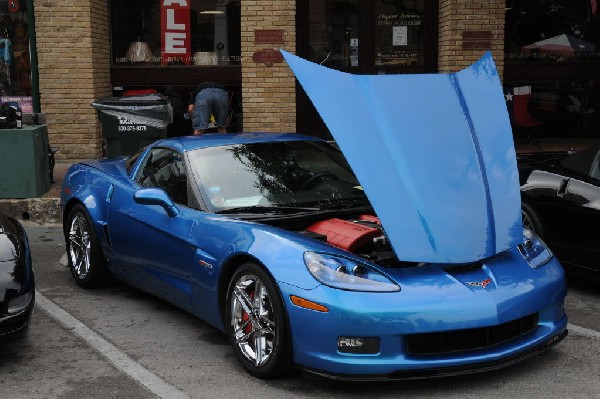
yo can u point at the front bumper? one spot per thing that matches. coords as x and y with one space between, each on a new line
428 306
17 324
446 371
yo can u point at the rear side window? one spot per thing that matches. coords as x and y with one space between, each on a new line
132 160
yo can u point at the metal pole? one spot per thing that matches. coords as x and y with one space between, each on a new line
35 77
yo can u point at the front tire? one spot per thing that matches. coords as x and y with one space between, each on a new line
85 259
531 219
256 324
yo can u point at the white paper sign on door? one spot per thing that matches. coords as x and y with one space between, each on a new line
400 36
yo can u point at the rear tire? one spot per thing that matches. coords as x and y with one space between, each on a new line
256 323
85 258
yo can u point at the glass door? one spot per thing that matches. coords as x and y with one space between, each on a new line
364 37
334 33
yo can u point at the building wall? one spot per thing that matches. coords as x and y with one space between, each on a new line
466 30
268 92
74 60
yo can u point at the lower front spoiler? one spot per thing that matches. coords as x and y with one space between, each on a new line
445 371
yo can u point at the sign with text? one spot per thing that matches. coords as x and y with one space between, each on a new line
25 102
477 40
400 35
175 32
268 36
267 56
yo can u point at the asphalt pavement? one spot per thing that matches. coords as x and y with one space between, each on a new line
118 342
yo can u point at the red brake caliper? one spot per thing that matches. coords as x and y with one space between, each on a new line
246 317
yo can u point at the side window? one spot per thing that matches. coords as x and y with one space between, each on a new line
130 162
164 168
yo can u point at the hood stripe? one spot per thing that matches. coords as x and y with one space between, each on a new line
491 229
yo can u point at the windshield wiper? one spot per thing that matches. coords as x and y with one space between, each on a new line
347 203
267 209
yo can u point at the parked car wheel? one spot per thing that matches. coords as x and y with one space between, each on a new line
85 258
256 323
531 220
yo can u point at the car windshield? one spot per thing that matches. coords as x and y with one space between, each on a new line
585 161
259 177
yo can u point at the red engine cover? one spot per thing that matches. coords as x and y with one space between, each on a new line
344 234
370 218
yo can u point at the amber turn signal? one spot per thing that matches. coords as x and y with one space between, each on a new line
304 303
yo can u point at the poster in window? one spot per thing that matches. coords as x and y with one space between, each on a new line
15 62
400 35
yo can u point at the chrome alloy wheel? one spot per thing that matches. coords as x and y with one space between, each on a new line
252 319
80 246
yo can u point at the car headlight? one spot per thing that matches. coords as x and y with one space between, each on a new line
346 274
533 249
19 303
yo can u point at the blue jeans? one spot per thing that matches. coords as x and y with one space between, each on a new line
209 102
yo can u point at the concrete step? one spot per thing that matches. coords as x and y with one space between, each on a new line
43 210
38 210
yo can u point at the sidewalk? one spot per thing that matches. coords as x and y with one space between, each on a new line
43 210
46 210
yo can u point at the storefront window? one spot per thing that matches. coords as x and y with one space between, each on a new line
399 36
186 32
552 67
15 64
565 108
333 33
364 37
552 31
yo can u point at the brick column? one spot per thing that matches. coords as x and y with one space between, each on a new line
268 90
467 29
74 66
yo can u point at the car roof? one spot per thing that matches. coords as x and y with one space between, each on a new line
189 143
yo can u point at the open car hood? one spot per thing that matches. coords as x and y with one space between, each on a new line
433 152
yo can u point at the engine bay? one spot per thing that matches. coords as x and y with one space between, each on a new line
362 235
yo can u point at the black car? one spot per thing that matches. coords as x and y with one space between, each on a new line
17 283
561 203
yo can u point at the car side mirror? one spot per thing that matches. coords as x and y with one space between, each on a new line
156 196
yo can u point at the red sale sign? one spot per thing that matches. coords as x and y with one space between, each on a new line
175 32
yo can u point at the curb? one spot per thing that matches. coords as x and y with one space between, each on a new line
37 210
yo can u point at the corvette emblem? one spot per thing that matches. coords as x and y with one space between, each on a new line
481 284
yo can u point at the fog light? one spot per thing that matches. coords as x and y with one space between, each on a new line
19 303
358 345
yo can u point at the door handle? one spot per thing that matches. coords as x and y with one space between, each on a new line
110 192
562 189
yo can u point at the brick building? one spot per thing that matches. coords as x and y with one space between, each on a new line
84 53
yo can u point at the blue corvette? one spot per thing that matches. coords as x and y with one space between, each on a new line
401 256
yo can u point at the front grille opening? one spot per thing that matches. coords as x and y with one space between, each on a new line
464 267
469 339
